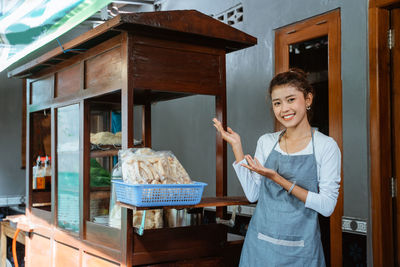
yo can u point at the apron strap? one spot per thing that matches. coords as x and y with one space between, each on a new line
279 139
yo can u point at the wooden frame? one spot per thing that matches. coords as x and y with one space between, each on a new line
326 24
380 132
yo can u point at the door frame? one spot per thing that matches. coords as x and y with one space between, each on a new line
380 132
325 24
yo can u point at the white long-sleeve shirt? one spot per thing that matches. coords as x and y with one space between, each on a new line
328 159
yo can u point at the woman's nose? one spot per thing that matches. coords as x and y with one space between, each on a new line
285 107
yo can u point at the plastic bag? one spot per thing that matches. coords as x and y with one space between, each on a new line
146 166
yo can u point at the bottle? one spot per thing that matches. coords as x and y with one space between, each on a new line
47 173
40 172
35 172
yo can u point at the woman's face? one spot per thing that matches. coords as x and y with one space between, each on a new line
289 105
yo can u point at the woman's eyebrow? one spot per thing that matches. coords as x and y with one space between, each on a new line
288 96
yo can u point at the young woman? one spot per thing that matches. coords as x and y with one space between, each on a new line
294 175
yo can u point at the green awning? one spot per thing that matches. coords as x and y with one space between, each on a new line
26 25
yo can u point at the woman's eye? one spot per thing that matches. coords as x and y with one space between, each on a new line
291 100
276 104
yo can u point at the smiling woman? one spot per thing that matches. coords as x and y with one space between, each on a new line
294 175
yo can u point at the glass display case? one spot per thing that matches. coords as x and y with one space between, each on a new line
93 94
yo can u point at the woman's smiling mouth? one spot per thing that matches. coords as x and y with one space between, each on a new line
288 117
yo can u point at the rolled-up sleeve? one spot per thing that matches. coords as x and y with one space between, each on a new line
250 180
324 202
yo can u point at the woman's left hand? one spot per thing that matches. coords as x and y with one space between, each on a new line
255 165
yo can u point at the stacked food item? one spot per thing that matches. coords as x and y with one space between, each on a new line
105 138
108 138
146 166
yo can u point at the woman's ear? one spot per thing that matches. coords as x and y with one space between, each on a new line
309 99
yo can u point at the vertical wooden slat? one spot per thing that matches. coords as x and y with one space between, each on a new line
380 151
335 129
53 174
3 245
146 125
28 187
86 168
127 140
221 147
81 169
395 25
23 135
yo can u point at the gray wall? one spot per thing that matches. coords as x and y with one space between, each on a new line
12 177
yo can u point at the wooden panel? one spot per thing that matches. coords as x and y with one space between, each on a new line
395 25
65 255
39 251
41 90
174 244
167 69
188 24
41 217
103 235
104 70
380 149
205 202
41 197
89 260
127 123
23 130
67 81
384 3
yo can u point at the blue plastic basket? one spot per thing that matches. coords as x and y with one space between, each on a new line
150 195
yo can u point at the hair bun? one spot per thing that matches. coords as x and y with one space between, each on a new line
299 72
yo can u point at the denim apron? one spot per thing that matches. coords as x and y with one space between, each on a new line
282 231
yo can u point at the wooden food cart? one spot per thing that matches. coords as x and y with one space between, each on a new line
132 60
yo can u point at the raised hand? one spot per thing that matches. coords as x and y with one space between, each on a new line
229 136
232 138
255 165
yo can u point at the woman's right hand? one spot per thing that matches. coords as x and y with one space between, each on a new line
232 138
229 136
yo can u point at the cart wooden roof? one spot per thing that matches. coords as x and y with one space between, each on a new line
184 25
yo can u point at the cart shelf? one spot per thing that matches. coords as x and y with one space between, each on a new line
205 202
108 151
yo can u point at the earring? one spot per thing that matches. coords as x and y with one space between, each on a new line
308 107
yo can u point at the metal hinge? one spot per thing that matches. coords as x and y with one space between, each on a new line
393 186
390 36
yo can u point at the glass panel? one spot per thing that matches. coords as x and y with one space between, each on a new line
40 147
105 140
68 167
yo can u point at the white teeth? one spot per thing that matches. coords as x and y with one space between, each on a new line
288 116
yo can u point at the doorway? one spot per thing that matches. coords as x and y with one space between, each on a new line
313 45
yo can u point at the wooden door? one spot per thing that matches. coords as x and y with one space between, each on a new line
324 28
395 122
384 130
